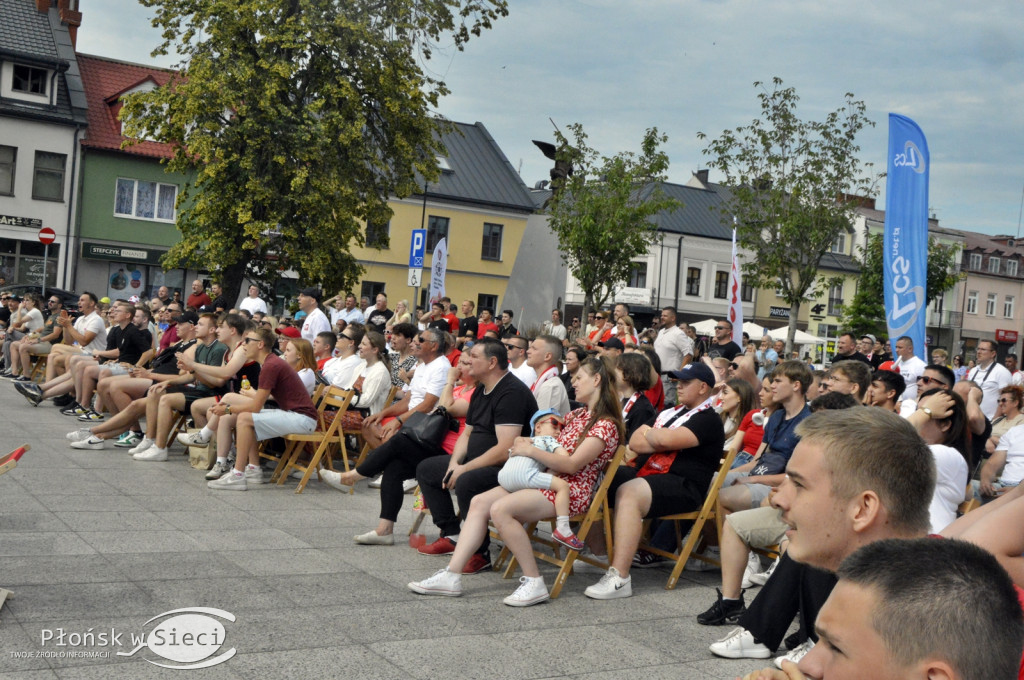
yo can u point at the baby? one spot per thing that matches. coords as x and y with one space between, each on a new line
523 472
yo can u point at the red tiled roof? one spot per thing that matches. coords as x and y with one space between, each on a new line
104 80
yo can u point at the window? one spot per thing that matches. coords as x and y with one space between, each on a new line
746 292
975 261
22 262
145 200
48 180
371 289
484 301
378 236
29 80
693 281
721 285
437 229
8 156
839 245
835 300
990 305
491 247
1008 304
993 264
638 275
972 302
1011 265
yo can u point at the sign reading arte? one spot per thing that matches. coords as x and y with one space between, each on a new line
14 221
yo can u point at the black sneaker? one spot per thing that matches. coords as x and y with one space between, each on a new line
75 409
30 391
723 612
645 560
63 401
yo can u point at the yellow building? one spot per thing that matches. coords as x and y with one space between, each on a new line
480 206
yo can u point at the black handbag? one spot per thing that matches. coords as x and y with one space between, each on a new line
428 429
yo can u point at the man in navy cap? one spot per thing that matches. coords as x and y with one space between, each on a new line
676 460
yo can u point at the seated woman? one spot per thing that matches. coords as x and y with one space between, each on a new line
298 354
944 429
591 435
1008 414
632 377
373 383
574 357
738 414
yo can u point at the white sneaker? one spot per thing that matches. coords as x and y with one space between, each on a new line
762 577
795 654
78 435
694 564
375 482
443 582
333 478
753 567
152 454
409 485
610 586
229 481
253 474
218 470
93 443
530 591
193 439
740 644
145 445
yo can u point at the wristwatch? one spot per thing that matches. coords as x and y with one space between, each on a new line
227 409
927 411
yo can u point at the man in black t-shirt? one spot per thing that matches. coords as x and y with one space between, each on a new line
379 315
132 339
722 344
499 411
468 323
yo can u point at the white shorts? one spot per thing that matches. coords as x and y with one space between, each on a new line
523 472
275 422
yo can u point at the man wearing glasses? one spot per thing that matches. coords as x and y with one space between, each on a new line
722 344
989 375
516 347
39 342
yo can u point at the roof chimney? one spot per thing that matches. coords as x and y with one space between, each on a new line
70 16
702 176
43 6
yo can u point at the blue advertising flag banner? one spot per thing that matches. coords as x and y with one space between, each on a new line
906 232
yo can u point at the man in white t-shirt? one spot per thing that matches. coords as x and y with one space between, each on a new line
555 327
316 321
674 348
253 303
1016 375
517 366
909 366
87 333
990 376
543 356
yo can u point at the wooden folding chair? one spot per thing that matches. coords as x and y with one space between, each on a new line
38 365
364 449
264 452
971 503
325 436
599 510
179 426
709 510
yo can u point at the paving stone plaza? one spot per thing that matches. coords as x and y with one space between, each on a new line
94 545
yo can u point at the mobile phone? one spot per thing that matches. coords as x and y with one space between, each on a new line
444 482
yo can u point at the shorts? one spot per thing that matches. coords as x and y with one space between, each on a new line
117 369
742 458
758 492
758 528
270 423
670 494
192 395
40 348
523 472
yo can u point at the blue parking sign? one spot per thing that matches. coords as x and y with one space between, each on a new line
418 247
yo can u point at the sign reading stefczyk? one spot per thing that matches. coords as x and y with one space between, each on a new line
101 251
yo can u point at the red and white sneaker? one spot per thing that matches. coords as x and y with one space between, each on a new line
569 540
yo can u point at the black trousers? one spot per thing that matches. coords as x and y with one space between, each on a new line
397 459
429 474
793 587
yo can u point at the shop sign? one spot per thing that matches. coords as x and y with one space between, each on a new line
13 221
778 312
99 251
1006 336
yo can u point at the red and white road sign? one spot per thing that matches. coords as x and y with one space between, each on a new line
47 235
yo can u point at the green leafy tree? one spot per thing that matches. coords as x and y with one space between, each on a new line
298 119
785 183
866 312
603 212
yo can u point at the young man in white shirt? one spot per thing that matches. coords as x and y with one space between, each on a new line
253 303
316 321
909 366
516 346
544 355
990 376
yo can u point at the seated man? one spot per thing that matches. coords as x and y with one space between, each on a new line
544 356
920 608
850 376
126 395
747 486
38 343
134 348
251 423
886 388
87 333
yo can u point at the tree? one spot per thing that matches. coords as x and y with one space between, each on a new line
602 212
866 312
786 182
298 118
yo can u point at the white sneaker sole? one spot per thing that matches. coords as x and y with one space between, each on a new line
527 603
624 591
422 590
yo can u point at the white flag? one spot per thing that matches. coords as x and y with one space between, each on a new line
437 271
735 303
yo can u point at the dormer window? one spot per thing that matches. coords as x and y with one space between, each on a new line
29 80
443 164
993 264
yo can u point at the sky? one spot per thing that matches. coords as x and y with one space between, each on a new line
688 66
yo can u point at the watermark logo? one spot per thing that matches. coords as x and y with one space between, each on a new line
188 639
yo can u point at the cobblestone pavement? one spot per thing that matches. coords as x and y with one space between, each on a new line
94 545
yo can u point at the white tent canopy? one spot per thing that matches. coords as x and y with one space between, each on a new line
707 327
801 338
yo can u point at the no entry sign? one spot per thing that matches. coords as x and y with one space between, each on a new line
47 235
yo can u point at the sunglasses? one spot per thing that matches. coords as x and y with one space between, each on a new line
927 381
248 340
734 366
721 328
